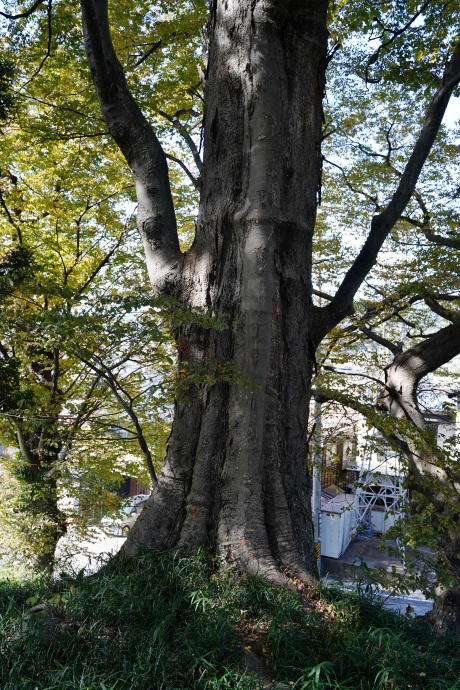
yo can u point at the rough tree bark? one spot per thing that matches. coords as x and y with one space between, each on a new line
235 474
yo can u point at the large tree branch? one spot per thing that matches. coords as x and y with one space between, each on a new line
445 313
429 355
398 396
382 224
432 353
134 135
442 241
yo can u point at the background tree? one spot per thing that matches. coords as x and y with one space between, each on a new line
61 412
66 300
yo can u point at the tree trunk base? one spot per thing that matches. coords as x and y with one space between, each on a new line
445 616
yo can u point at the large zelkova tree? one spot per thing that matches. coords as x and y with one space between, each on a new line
235 473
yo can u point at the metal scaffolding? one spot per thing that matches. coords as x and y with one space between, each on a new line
380 491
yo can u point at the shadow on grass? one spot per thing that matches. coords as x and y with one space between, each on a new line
175 622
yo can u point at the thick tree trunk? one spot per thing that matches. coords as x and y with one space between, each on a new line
39 451
44 522
50 523
236 472
445 615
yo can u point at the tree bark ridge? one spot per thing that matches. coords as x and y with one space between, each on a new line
236 467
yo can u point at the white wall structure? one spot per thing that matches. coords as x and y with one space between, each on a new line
338 524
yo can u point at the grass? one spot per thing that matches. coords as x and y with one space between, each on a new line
174 623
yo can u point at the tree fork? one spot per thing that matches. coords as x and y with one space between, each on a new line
244 487
235 473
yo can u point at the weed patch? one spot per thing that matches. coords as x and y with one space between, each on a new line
172 623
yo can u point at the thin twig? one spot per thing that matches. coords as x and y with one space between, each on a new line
174 120
193 179
48 49
148 53
25 14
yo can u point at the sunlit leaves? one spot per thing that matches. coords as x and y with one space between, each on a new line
84 296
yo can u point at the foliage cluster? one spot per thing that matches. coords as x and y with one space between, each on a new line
85 352
163 621
62 354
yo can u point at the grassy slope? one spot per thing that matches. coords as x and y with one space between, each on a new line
176 623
